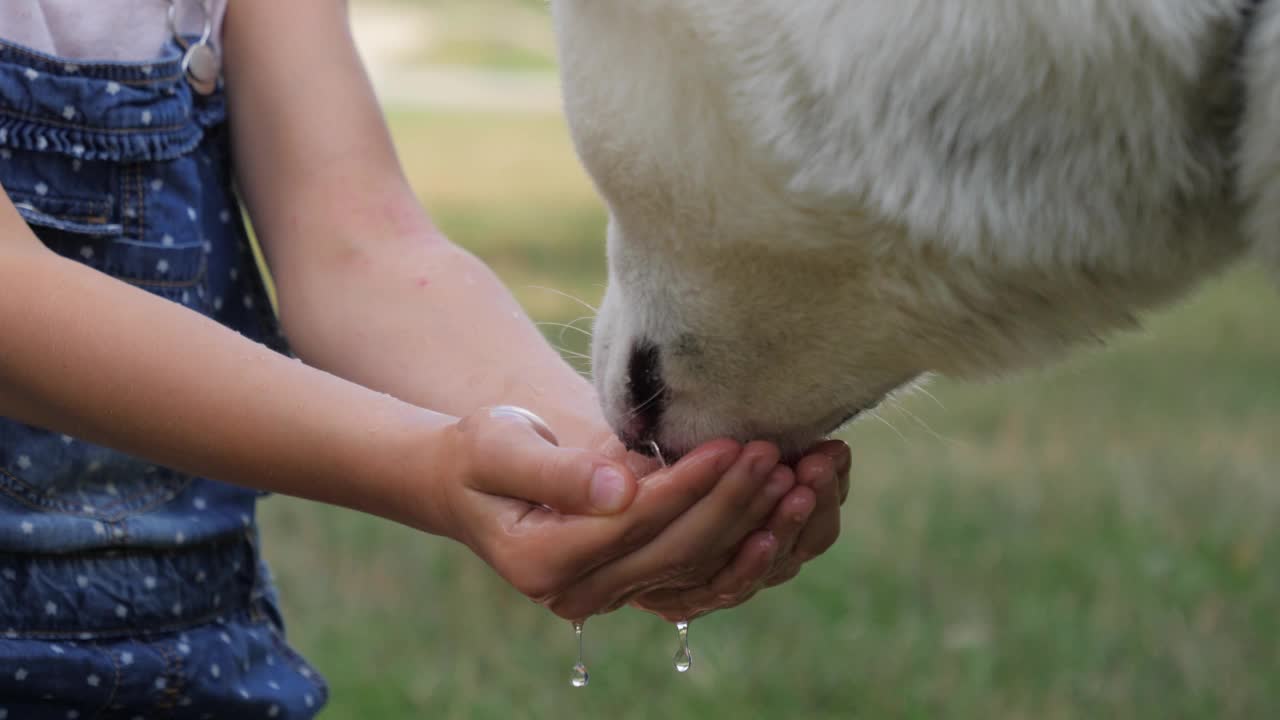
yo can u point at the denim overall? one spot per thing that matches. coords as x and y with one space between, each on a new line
129 590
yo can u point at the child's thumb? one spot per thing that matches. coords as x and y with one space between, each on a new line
532 468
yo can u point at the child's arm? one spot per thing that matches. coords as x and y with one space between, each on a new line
368 288
86 354
94 357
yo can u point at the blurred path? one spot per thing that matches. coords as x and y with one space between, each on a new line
390 36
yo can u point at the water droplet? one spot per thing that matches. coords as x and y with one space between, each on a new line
683 658
580 677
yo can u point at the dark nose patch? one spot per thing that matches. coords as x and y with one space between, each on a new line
646 396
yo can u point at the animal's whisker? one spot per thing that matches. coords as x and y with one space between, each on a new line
594 310
564 327
645 405
574 354
635 412
586 373
920 387
589 332
592 318
898 406
875 415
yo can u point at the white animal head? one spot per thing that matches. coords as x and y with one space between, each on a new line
814 202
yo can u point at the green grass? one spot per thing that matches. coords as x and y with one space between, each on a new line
1096 541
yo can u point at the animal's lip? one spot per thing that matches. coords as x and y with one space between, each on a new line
793 451
794 441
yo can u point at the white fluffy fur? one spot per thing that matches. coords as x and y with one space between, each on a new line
815 201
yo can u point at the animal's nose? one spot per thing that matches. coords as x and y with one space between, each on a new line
646 398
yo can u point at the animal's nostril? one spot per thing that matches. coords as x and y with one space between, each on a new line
646 395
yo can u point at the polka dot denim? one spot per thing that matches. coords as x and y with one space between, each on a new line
129 590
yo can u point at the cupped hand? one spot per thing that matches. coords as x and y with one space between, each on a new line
541 516
803 525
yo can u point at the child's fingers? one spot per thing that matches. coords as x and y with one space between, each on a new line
732 586
752 567
709 530
545 554
790 520
747 575
758 561
819 532
842 458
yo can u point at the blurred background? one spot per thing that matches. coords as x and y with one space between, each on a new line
1098 540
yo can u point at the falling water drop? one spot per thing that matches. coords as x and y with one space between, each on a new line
683 657
579 677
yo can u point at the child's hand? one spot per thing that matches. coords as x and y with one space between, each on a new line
570 545
805 523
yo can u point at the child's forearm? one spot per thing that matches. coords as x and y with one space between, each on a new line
368 288
91 356
413 317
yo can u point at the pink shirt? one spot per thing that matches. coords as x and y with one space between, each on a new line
121 30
